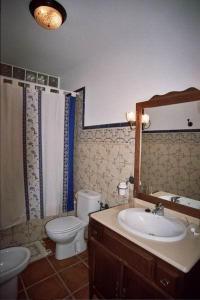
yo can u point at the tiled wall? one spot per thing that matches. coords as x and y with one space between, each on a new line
23 233
103 158
171 163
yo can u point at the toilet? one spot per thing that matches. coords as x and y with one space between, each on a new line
68 232
13 261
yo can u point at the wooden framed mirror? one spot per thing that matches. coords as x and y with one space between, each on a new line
167 153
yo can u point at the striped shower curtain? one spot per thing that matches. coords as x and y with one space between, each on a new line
43 155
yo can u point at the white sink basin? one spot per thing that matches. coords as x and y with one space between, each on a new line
151 226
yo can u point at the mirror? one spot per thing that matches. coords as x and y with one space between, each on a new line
167 154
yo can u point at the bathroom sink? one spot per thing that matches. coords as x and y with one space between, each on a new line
151 226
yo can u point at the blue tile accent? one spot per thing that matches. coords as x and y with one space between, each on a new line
70 196
66 150
68 180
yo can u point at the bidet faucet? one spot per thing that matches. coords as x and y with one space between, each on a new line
159 209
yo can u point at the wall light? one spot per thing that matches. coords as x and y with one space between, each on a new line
131 118
48 13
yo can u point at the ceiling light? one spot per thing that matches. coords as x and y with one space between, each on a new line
48 13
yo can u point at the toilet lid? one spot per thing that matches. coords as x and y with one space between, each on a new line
63 224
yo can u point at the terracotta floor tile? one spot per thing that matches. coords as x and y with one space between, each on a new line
86 261
75 277
61 264
83 255
49 244
83 293
36 271
21 296
49 289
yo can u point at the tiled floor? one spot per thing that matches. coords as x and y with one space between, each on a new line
50 279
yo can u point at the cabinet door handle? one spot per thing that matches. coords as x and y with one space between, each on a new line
165 282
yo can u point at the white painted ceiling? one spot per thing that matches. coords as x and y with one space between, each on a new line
93 27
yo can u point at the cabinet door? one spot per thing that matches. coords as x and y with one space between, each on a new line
105 271
136 287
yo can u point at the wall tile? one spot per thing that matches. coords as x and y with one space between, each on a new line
171 162
6 238
21 234
109 153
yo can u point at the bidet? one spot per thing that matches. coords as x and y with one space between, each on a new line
12 262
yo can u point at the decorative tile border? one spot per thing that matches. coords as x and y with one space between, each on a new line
29 75
33 156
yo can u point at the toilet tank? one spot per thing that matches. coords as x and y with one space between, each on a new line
87 202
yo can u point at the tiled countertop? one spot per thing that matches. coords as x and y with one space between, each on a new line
181 254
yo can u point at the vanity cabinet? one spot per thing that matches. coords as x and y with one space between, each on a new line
106 271
119 269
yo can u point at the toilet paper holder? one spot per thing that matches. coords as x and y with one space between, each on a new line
123 186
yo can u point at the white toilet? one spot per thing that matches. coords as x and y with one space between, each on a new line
12 262
68 232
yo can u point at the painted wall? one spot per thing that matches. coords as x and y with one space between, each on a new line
174 117
153 49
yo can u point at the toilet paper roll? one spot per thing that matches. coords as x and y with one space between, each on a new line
122 187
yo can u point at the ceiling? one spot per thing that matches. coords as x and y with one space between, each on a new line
92 28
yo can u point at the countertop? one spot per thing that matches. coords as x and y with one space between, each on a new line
182 254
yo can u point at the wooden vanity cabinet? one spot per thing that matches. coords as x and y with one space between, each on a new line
119 269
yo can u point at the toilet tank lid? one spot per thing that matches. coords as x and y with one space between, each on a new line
89 194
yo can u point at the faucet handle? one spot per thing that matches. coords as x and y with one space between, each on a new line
159 205
159 209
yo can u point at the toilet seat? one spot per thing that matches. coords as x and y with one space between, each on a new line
64 224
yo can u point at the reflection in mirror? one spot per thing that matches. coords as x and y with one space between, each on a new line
170 158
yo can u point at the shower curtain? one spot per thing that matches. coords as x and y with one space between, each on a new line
42 153
12 209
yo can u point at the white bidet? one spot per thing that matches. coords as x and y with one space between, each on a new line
12 262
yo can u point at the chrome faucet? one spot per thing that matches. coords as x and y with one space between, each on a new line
175 199
158 210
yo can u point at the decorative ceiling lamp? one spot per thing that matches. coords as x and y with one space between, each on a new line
48 13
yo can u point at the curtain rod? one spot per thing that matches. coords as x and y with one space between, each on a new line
18 82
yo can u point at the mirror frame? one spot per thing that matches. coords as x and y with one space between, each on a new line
189 95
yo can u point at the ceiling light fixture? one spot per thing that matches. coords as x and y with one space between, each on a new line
48 13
